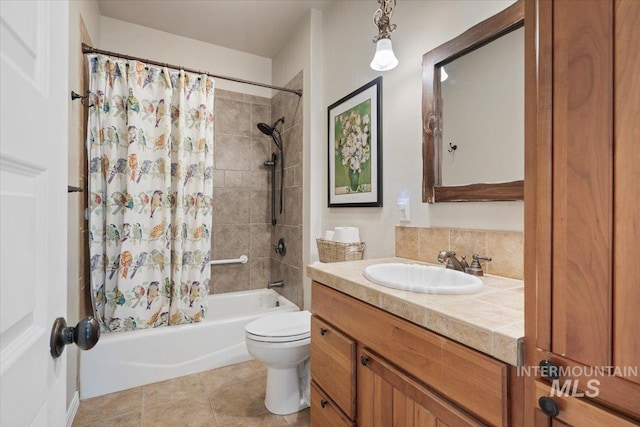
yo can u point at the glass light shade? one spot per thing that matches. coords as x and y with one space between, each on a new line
384 59
443 74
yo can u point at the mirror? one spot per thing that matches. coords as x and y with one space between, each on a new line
473 113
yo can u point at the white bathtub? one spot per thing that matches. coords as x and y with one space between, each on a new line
124 360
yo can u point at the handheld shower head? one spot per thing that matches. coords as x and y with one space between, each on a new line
265 128
272 131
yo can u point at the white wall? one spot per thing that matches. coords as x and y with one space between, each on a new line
347 49
123 37
88 11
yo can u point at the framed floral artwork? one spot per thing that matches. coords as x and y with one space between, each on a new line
355 148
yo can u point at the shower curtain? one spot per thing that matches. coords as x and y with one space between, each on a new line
150 145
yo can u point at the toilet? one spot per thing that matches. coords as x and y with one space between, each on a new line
282 342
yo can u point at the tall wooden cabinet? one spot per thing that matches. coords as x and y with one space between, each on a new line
582 210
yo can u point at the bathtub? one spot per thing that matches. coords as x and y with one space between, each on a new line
124 360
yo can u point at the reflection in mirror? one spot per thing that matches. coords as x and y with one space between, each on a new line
482 100
473 113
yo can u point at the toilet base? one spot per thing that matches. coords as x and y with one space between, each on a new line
283 395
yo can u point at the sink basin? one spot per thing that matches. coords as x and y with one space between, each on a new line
422 278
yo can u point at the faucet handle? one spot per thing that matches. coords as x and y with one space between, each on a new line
476 257
475 268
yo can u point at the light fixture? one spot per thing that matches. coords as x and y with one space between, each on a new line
443 74
384 59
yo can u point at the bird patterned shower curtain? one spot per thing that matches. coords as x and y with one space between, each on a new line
150 145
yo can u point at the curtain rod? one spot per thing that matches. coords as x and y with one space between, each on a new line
86 49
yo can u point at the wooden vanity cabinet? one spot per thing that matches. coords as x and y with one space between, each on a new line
582 207
388 397
400 374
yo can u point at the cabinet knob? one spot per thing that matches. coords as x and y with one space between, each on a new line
548 406
323 403
549 370
323 331
364 360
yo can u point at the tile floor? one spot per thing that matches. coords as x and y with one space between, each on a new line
229 396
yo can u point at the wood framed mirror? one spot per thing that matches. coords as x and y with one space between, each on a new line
474 51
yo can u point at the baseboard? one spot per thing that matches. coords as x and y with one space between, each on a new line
73 409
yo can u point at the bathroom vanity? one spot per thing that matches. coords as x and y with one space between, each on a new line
376 359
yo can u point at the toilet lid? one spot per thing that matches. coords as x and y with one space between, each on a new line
281 327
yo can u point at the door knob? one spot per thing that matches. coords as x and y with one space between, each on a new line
86 334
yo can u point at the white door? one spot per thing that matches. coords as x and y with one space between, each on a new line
33 207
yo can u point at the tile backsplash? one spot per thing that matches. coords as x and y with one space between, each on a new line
506 248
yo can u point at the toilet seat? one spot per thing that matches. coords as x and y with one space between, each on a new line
281 327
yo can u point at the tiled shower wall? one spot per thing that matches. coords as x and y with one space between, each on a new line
242 192
504 247
289 223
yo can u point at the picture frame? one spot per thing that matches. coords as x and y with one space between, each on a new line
355 148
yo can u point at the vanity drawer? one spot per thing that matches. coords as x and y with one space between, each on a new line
333 364
579 411
324 412
475 382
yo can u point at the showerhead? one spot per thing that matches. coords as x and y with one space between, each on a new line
272 131
265 128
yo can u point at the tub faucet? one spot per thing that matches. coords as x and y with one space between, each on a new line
452 262
276 284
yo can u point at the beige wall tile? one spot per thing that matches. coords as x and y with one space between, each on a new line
231 206
230 240
232 117
259 114
260 240
260 209
229 278
467 242
407 242
292 206
260 273
233 179
431 242
256 179
232 152
261 149
218 178
507 252
292 144
254 99
293 239
277 106
227 94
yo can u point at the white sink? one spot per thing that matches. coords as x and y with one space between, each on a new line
422 278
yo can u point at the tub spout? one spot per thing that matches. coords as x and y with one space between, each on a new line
276 284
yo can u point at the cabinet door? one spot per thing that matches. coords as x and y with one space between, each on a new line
582 209
389 398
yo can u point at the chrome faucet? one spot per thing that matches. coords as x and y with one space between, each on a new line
276 284
452 262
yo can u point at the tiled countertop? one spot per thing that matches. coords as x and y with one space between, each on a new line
491 321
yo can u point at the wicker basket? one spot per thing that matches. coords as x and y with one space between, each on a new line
330 251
